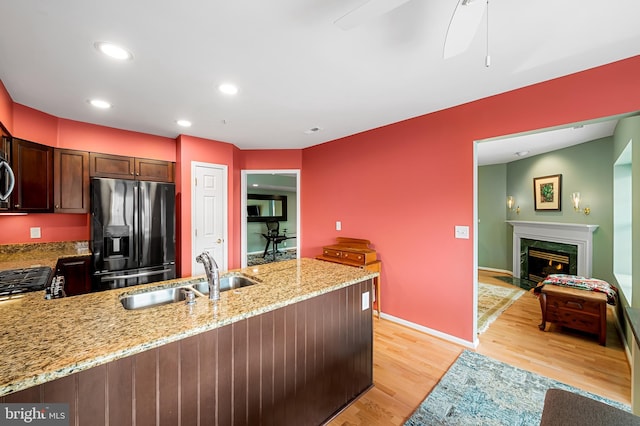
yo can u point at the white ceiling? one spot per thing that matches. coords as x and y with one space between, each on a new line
295 69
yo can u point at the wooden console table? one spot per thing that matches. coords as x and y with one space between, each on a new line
355 252
573 308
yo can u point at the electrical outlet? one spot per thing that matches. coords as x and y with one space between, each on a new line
35 232
338 225
365 301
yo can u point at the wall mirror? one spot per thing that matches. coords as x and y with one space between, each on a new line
263 207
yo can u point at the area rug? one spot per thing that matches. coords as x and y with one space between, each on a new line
493 300
257 259
477 390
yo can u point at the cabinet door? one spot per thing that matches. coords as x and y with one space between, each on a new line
32 165
77 278
71 181
111 166
154 170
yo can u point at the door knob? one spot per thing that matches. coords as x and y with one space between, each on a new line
219 241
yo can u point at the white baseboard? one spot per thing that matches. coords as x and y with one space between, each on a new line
432 332
504 271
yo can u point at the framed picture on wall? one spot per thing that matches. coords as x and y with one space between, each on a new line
547 193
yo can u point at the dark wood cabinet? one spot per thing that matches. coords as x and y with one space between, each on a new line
32 165
71 181
121 167
76 273
111 166
154 170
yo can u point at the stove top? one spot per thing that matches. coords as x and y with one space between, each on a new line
16 281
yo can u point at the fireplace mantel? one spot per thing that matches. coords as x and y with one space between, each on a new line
578 234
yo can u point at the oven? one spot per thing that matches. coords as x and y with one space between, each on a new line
15 282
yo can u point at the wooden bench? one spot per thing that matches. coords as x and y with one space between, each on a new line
582 310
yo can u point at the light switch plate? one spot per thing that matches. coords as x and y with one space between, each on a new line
462 232
365 301
35 233
338 225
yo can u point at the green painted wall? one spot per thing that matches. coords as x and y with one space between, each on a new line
255 241
587 168
273 184
493 235
627 130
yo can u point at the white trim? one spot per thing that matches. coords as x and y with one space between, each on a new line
580 235
225 218
432 332
243 208
502 271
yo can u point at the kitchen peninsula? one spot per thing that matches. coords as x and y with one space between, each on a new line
295 348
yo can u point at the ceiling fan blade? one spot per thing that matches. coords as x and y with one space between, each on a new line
368 10
463 26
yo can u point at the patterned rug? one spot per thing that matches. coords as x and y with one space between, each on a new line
257 259
493 300
477 390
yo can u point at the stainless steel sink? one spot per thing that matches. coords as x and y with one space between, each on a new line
151 298
227 282
163 296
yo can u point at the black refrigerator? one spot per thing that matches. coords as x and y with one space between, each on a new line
132 232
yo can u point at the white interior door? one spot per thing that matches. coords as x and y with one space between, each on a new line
209 214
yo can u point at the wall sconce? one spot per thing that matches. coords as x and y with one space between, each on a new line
512 202
575 200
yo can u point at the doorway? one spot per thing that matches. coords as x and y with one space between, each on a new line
274 184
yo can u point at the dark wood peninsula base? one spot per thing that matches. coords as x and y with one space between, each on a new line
300 364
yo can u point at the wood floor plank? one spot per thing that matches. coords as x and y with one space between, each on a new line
408 364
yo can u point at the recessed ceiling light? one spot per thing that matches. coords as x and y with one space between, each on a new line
183 123
521 153
99 103
228 88
113 51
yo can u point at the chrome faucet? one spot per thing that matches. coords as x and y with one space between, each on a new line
213 274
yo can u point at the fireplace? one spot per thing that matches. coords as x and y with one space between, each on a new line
541 258
567 246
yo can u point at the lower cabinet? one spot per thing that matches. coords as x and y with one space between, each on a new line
77 274
297 365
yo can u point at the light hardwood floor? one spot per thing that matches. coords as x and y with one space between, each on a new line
408 364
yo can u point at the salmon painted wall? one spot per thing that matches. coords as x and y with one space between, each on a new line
406 186
191 149
37 126
6 108
275 159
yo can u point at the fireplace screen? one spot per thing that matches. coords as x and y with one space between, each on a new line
541 258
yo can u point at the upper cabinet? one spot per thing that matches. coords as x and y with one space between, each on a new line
154 170
32 165
71 181
120 167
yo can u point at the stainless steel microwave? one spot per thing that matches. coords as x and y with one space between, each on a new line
7 178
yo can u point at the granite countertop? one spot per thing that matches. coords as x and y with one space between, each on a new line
18 256
41 340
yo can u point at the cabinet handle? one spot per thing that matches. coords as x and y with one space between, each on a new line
17 206
57 206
